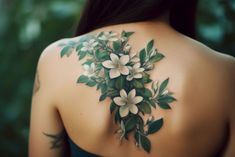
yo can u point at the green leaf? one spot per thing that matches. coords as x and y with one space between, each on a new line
111 82
144 107
66 51
117 117
101 54
138 84
163 85
112 92
150 46
113 106
152 103
156 58
72 43
88 62
164 105
83 79
120 82
146 78
137 137
91 83
98 86
82 54
166 99
155 126
117 45
103 88
103 96
145 143
79 47
130 124
142 56
145 92
127 34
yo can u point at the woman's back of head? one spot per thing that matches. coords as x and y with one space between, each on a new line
101 13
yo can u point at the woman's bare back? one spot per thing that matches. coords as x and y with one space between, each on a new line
200 79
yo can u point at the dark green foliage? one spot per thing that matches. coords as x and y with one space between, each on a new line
57 140
155 126
83 79
66 51
145 107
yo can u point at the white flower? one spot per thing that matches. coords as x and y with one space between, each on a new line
117 65
109 36
128 102
89 70
89 45
135 72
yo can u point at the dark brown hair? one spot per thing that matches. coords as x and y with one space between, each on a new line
100 13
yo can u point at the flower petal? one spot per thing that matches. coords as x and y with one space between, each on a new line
92 40
113 34
123 94
136 65
113 39
108 64
114 58
124 70
129 77
102 38
119 101
131 94
124 59
93 66
84 49
86 67
139 70
138 75
124 110
113 73
85 44
94 44
133 109
137 99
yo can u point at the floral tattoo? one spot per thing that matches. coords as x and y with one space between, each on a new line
57 140
122 76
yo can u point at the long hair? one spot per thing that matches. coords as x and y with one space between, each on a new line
100 13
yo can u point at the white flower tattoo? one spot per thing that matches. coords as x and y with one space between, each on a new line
89 45
117 65
135 72
89 70
128 102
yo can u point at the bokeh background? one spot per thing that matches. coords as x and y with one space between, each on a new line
28 26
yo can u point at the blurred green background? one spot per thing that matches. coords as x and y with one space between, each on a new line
28 26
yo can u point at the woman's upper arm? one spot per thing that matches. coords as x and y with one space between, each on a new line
230 150
47 137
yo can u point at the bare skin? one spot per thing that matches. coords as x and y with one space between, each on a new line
203 81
